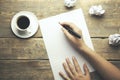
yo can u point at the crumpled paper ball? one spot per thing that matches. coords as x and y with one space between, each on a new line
69 3
114 40
96 10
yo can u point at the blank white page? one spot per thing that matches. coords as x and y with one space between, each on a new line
58 46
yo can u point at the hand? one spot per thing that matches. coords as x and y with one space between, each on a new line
74 72
78 43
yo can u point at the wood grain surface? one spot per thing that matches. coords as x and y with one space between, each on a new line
27 59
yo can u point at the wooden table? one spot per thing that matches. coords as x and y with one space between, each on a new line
26 59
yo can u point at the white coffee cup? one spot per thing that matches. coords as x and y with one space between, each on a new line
24 24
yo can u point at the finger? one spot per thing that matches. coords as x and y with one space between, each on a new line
64 76
71 25
67 34
67 70
71 67
77 67
86 70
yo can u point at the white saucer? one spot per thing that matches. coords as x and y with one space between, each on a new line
34 25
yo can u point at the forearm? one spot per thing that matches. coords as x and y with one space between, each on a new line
105 69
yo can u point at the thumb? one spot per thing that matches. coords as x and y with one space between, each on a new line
86 70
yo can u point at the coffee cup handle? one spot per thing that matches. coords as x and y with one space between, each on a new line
28 31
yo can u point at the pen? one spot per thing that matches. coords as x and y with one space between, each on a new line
70 30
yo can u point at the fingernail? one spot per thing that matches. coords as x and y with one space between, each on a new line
60 72
67 59
63 63
85 66
73 57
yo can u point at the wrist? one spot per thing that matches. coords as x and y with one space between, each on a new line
86 50
83 47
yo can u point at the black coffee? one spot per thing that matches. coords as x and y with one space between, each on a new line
23 22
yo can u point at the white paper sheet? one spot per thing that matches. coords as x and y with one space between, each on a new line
57 45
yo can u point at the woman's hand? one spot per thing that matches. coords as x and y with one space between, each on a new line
78 43
74 72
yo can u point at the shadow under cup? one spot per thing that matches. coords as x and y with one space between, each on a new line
23 22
